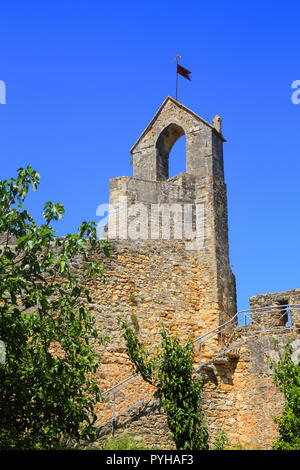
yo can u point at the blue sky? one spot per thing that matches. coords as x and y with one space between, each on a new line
84 79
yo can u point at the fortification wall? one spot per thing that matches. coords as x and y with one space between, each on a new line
239 398
151 285
201 186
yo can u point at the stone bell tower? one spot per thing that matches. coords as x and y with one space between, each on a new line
201 189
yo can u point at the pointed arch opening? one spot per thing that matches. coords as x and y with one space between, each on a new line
164 145
177 157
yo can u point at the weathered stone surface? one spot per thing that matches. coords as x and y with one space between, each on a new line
202 184
155 282
278 299
239 397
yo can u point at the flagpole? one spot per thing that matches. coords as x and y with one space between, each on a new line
177 58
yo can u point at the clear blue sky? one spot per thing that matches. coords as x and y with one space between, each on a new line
84 78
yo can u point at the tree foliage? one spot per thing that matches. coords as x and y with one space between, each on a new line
287 379
47 385
170 370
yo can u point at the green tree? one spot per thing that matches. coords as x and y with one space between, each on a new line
170 370
287 378
48 388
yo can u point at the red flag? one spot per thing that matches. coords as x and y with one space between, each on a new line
182 71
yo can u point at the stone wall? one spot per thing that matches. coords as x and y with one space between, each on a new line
168 280
189 290
151 285
281 317
202 185
239 398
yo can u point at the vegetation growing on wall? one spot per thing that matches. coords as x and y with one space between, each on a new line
287 379
170 370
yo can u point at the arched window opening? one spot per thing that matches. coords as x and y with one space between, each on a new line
177 157
164 145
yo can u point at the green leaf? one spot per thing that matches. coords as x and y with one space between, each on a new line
44 396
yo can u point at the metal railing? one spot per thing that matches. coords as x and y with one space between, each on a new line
209 347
